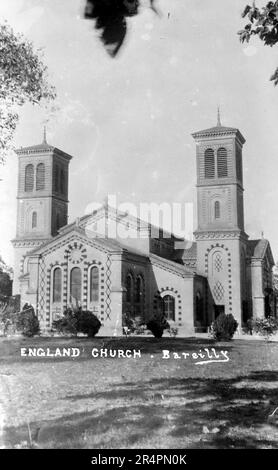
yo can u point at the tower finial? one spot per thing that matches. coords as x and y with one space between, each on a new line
44 135
218 117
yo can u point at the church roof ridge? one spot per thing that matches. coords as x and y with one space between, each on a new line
179 268
121 214
109 243
257 248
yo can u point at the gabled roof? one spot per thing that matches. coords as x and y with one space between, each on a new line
169 265
89 237
190 253
108 244
119 215
259 248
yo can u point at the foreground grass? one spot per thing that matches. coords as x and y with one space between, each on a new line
146 402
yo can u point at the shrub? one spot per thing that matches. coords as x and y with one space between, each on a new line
265 326
133 325
224 327
173 331
87 323
157 325
27 322
67 324
77 321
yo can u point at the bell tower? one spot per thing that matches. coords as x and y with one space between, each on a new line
42 198
221 239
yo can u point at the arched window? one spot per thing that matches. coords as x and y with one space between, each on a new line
217 210
209 164
57 285
222 166
75 284
169 307
34 220
40 177
129 288
62 181
57 221
56 178
239 164
199 308
139 289
94 284
29 178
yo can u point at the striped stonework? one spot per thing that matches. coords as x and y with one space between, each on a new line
219 245
108 286
42 286
178 304
102 294
47 296
85 286
64 267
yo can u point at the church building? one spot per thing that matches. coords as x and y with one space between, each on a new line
141 274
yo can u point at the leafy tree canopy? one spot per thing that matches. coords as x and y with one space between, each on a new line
23 78
263 22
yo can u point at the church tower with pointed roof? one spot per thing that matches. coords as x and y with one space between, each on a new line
42 196
220 235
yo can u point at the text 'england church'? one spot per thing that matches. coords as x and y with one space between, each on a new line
140 275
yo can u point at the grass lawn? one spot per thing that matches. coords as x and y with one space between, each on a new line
147 402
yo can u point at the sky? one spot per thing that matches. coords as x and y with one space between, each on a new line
128 121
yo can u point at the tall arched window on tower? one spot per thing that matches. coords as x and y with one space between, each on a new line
217 210
29 178
34 220
40 177
209 164
75 284
57 285
222 165
62 181
94 284
56 178
239 164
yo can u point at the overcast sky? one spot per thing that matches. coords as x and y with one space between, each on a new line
128 121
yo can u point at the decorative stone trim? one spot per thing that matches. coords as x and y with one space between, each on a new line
220 235
229 260
108 287
174 293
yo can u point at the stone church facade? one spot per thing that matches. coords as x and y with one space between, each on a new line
140 274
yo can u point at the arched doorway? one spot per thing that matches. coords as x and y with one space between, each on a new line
200 319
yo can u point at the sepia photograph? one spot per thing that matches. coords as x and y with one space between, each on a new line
138 229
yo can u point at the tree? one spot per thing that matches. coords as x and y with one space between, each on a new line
263 22
110 18
23 78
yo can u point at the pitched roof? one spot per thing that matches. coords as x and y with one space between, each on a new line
219 130
108 243
44 147
190 253
167 264
258 249
107 211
